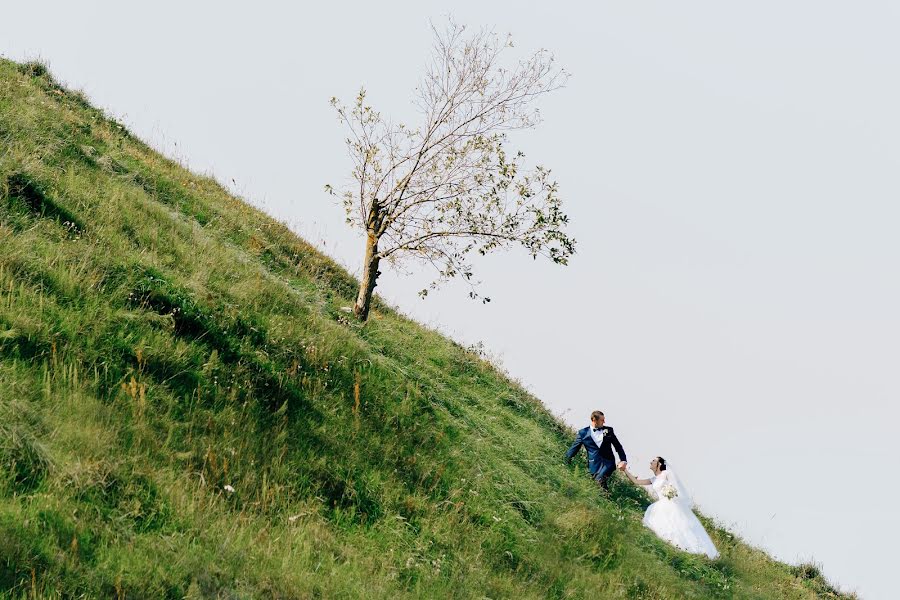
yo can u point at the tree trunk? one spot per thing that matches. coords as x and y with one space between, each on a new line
369 277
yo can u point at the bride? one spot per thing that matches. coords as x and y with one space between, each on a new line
671 517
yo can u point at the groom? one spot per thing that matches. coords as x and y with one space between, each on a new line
599 440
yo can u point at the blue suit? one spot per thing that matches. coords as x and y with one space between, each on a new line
601 462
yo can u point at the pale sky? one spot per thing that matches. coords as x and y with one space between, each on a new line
731 175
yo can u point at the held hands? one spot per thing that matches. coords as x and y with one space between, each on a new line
622 465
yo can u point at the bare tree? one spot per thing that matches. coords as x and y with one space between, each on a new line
447 188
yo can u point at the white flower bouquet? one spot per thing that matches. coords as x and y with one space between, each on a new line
669 491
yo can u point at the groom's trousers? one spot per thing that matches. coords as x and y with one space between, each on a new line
607 466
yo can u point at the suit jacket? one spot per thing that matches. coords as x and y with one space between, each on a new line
594 452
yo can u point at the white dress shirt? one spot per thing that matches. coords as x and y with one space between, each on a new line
598 435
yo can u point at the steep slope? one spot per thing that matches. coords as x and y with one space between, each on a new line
187 413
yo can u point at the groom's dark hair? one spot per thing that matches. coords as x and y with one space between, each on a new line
596 414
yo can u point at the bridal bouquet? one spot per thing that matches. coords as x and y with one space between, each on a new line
669 491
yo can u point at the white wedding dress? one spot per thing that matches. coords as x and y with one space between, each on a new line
672 518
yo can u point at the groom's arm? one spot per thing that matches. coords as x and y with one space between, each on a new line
575 448
618 446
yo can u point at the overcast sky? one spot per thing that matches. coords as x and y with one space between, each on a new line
731 174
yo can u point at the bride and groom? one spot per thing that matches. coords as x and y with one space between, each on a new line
671 517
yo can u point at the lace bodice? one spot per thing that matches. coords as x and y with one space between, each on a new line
658 482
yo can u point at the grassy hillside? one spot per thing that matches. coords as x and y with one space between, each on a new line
185 411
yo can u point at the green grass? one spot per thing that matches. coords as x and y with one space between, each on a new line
161 340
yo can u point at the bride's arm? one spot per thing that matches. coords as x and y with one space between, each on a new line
635 480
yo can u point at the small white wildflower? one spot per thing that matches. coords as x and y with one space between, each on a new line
229 489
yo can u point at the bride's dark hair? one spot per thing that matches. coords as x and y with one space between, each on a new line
661 463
